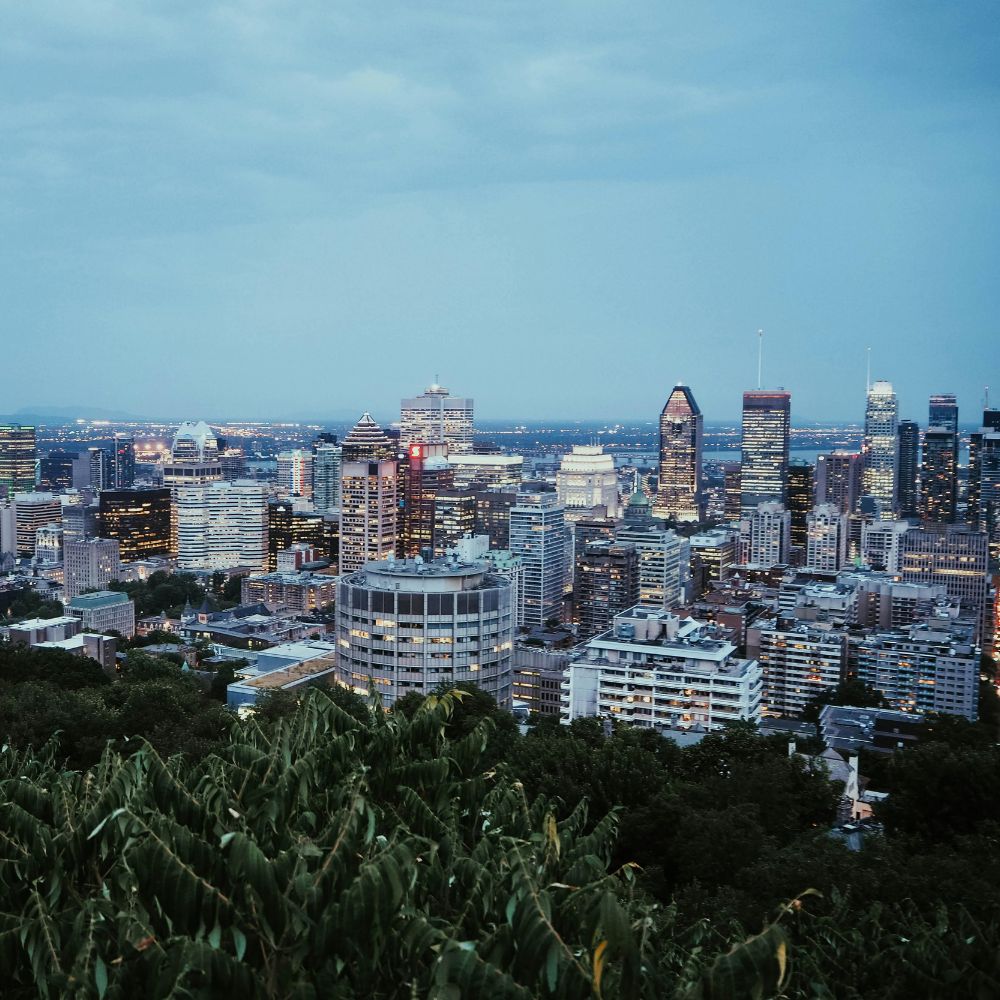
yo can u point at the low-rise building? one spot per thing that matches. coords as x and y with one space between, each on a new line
659 671
104 611
295 592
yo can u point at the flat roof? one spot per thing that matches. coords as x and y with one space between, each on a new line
100 599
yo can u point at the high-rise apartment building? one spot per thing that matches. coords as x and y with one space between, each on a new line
664 556
369 509
605 583
123 462
137 519
838 479
90 565
679 494
939 475
826 538
766 430
765 536
295 473
587 478
454 519
880 444
18 455
493 514
983 510
222 525
799 662
326 476
538 536
408 626
908 465
435 415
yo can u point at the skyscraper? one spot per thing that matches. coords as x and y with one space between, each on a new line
295 473
222 525
984 479
800 503
90 565
765 536
939 475
907 495
826 544
538 536
879 448
942 411
326 476
679 492
17 459
428 474
139 519
367 441
605 583
766 428
435 415
123 462
838 479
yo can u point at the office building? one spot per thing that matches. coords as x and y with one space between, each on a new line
194 443
80 517
232 463
326 476
880 444
765 536
436 416
288 527
664 556
939 475
104 611
222 525
908 465
55 472
655 670
826 539
138 519
18 455
49 545
606 583
538 536
407 626
799 661
678 492
493 514
367 442
123 462
732 491
800 502
33 511
764 468
194 461
295 473
454 519
715 551
489 471
983 512
838 479
428 474
587 478
942 411
90 565
921 669
538 680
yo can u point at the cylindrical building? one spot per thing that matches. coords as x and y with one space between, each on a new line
410 625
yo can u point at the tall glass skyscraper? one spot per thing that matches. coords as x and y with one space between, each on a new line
679 491
907 496
766 427
879 448
17 459
939 476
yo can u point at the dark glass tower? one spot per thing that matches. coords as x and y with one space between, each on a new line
909 446
939 476
123 471
800 499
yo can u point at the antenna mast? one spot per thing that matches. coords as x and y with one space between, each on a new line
868 376
760 358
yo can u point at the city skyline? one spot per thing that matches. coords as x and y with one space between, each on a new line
499 196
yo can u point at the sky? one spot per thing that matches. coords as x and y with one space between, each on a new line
306 209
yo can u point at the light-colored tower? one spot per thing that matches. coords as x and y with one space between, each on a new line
221 525
295 473
664 556
587 478
679 491
437 416
90 565
326 477
538 536
826 538
880 446
765 536
368 512
766 430
408 625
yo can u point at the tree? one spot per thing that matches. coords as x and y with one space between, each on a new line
849 692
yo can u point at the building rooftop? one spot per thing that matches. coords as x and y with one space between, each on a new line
100 599
37 623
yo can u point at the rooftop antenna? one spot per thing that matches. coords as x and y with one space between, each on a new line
986 397
868 377
760 358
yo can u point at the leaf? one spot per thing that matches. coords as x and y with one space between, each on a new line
239 942
100 977
599 953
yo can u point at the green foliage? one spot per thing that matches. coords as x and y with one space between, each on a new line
329 857
30 604
849 692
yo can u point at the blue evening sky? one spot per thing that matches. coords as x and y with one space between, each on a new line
310 208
